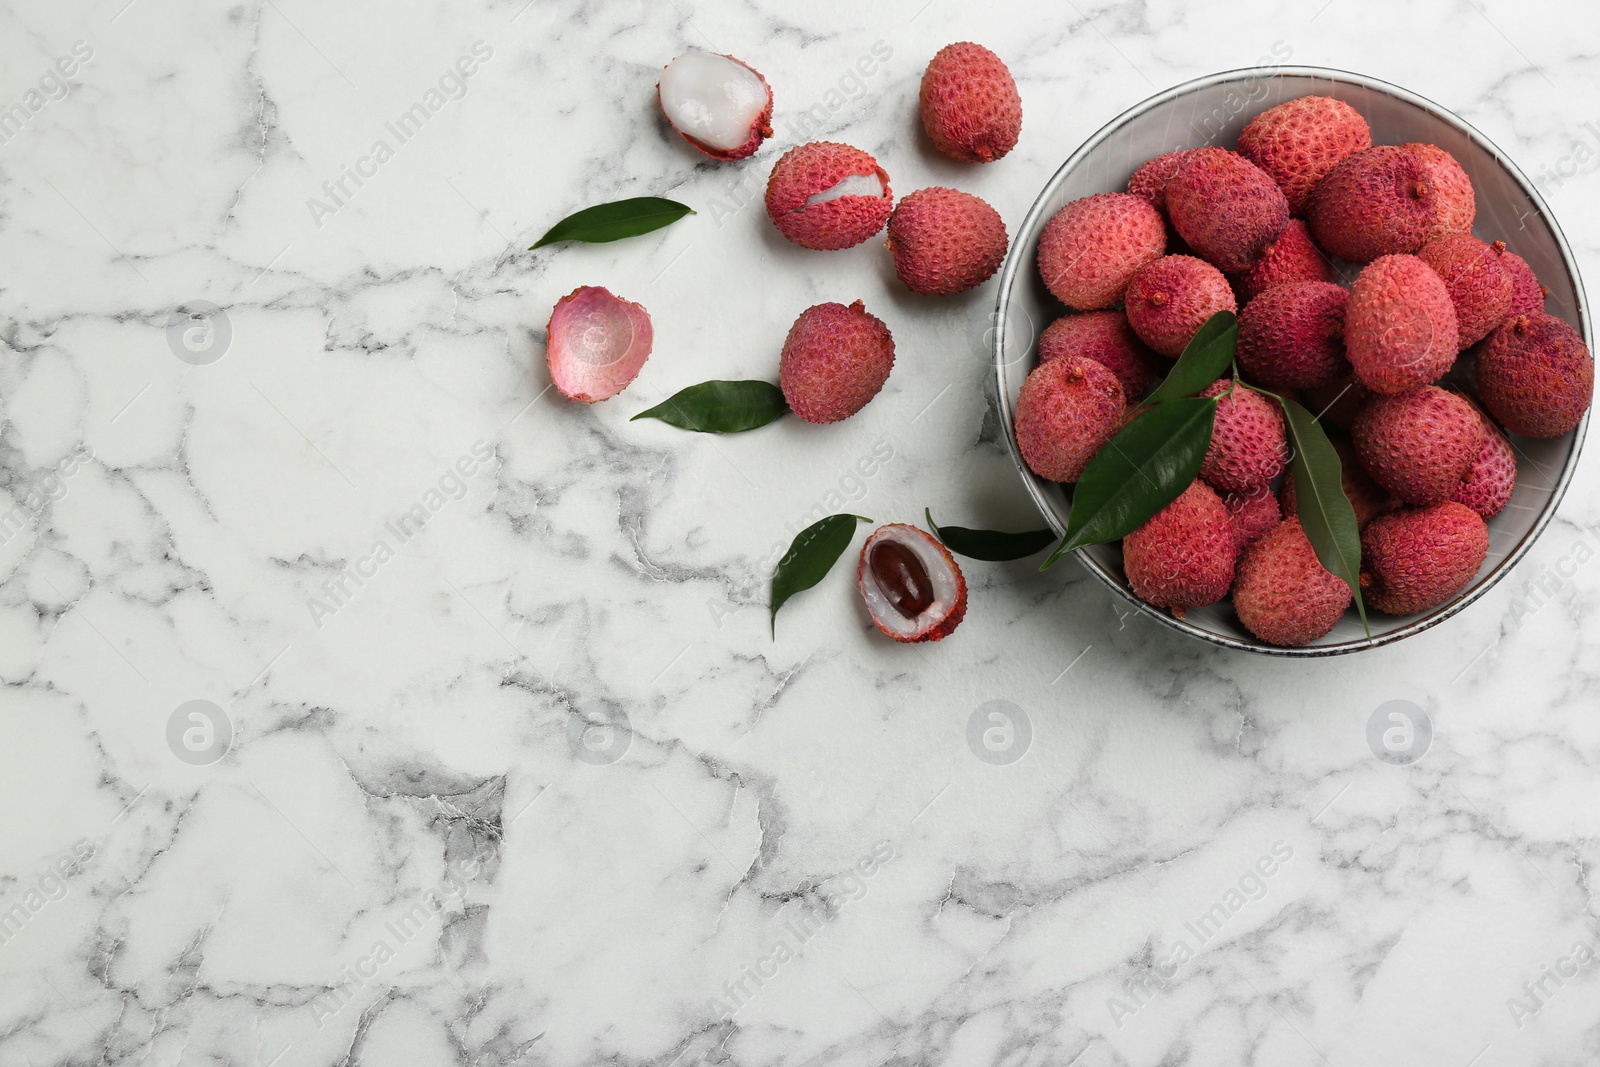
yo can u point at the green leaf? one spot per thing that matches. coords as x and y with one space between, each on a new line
720 407
616 220
995 546
811 555
1326 514
1139 471
1207 355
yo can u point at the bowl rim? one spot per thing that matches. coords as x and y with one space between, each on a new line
1018 260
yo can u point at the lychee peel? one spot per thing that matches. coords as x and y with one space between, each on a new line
1454 203
1376 202
1067 410
1400 327
1480 288
1292 336
1227 209
1492 478
802 207
1536 375
1527 295
1169 300
1248 446
1183 557
596 343
970 106
945 241
835 359
1254 513
1299 141
1418 445
912 586
1291 258
1106 338
1283 594
1150 180
719 104
1419 558
1091 247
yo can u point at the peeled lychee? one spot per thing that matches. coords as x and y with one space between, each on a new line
719 104
1454 203
1367 498
1183 557
1283 594
970 105
945 241
1418 558
596 343
1106 338
1171 298
913 588
1376 202
1291 258
1492 477
1400 328
1301 140
835 359
1527 295
1091 247
1419 444
1248 445
1480 288
1292 336
1067 410
1226 208
1150 180
1536 375
828 196
1254 513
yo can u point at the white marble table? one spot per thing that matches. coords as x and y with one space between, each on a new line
388 838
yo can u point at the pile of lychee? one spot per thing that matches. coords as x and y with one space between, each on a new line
1438 349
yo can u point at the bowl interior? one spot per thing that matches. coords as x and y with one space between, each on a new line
1212 111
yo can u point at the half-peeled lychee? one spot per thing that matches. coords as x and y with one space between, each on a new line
913 588
597 343
718 104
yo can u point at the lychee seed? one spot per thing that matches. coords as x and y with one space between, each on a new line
913 589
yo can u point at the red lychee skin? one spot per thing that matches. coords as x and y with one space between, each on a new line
1527 295
1454 203
1337 404
1301 140
1106 338
1092 246
1248 444
1400 327
1283 594
578 368
1226 208
1292 336
1367 498
760 130
809 169
1418 445
970 105
1492 477
835 359
944 626
1254 513
945 241
1168 300
1067 410
1536 375
1291 258
1150 180
1480 288
1419 558
1376 202
1183 557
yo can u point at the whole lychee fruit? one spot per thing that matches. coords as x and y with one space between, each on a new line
1150 180
1376 202
1536 375
1301 140
1291 258
1254 513
835 359
1479 286
1292 336
596 343
1226 208
1183 557
828 196
1367 498
1454 203
1418 558
1283 594
1248 444
1091 247
720 105
1067 410
1492 477
1171 298
1106 338
1400 327
1527 295
945 241
912 586
1420 444
970 105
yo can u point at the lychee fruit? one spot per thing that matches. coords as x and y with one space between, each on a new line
1067 410
945 241
1254 513
1292 336
1183 557
1492 477
1171 298
1480 288
834 360
970 105
1299 141
1291 258
720 105
1454 203
912 586
1226 208
596 343
1536 375
1527 295
1419 444
1367 498
1248 446
1106 338
1283 594
1418 558
1150 180
1376 202
1091 247
1400 327
1337 404
828 196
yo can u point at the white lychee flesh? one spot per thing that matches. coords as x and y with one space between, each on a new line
712 99
850 185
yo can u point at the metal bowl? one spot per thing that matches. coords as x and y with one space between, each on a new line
1212 110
